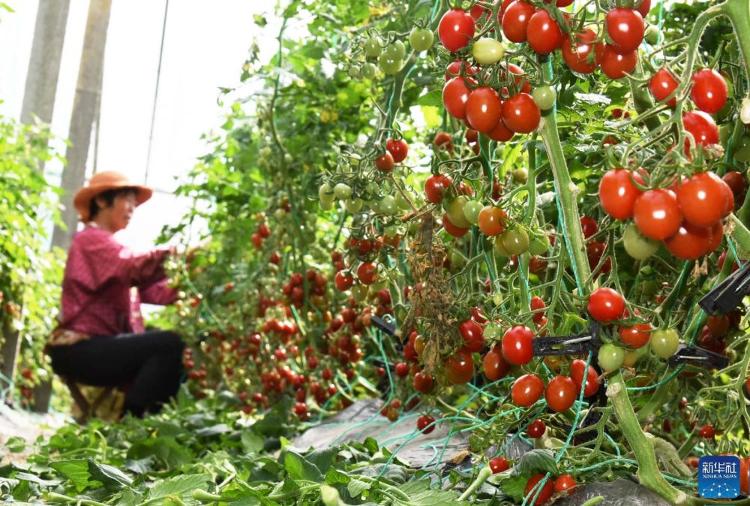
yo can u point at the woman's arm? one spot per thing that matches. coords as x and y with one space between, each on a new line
159 293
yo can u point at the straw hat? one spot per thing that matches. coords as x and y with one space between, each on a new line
101 182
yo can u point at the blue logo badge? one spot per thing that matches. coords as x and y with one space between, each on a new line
719 477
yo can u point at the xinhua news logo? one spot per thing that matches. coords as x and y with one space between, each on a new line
719 477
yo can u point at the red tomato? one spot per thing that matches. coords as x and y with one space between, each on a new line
397 148
454 69
625 28
704 199
589 226
520 79
483 109
499 464
443 140
707 431
518 345
343 281
618 192
477 11
542 496
560 393
662 84
644 7
425 424
536 429
402 369
709 91
459 368
657 214
616 65
579 54
592 378
636 335
737 183
565 482
453 229
494 365
472 334
702 127
500 133
435 186
691 242
526 390
745 475
384 162
516 19
455 96
423 382
606 305
537 303
543 33
521 114
456 29
367 272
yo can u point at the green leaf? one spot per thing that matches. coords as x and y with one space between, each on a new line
252 442
336 477
356 487
323 458
514 487
371 444
420 494
109 475
15 444
536 461
77 471
300 468
178 485
214 430
434 98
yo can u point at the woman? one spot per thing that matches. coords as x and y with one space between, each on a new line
101 340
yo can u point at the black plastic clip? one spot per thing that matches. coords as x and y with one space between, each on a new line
729 293
696 355
383 325
569 345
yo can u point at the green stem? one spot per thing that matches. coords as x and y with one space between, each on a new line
738 12
648 472
642 99
77 500
484 473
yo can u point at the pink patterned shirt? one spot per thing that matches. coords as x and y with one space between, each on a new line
98 295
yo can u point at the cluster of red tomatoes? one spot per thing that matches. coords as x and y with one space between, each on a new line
686 217
560 392
262 233
294 289
395 152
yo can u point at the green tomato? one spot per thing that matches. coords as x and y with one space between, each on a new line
633 356
421 39
742 151
373 47
610 357
488 51
368 70
664 342
652 35
396 50
544 97
326 204
354 205
457 261
539 243
388 205
355 72
636 245
515 241
471 211
455 210
521 175
325 192
500 248
390 65
342 191
402 202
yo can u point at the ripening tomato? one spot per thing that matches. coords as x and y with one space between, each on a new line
384 162
565 482
483 109
579 53
532 490
398 148
618 192
625 29
616 65
560 393
636 335
459 368
492 220
702 127
456 29
709 91
367 273
521 114
543 33
704 199
691 242
435 187
472 334
518 345
516 19
577 369
343 281
526 390
452 228
662 84
606 305
657 214
455 96
494 365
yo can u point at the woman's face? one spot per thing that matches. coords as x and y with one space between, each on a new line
117 216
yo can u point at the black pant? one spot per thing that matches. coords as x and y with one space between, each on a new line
150 364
